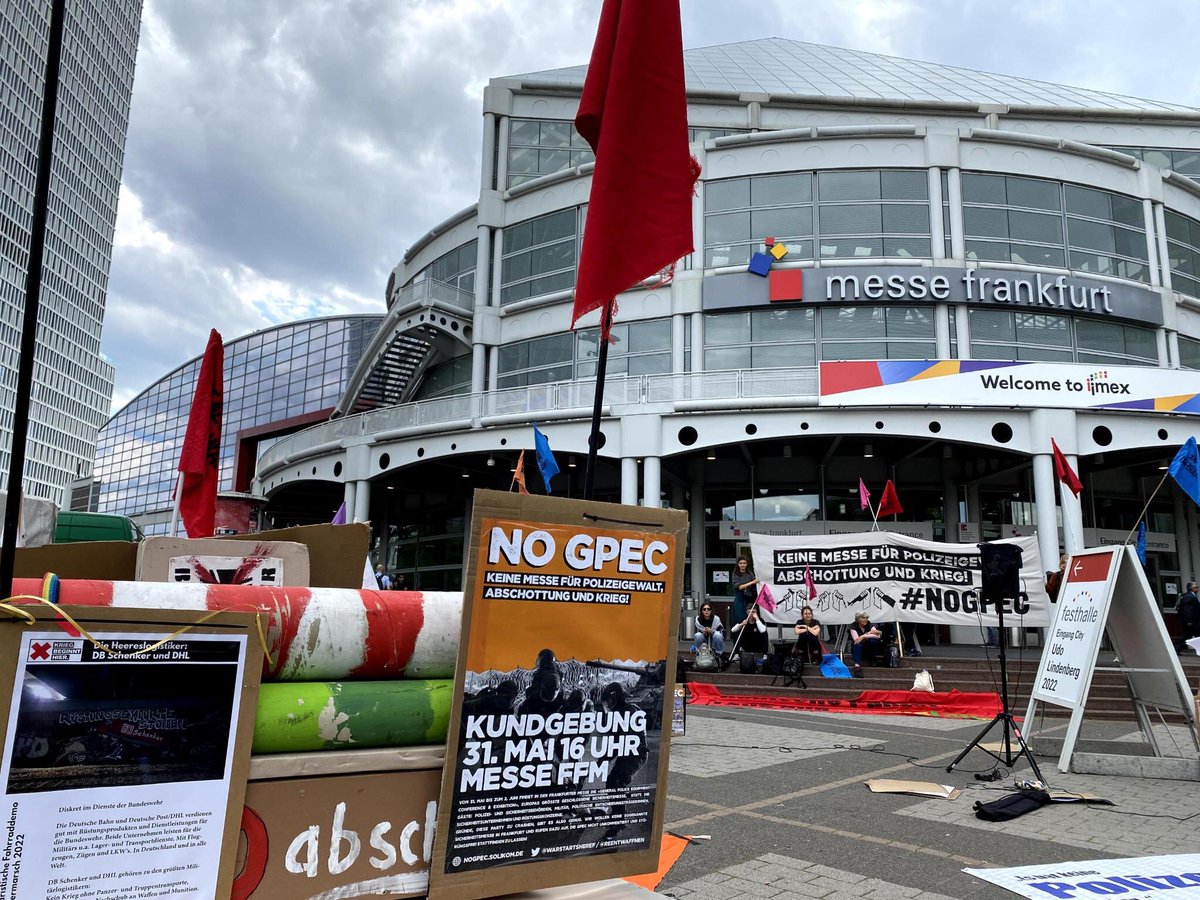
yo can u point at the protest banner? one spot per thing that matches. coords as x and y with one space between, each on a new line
1133 879
893 577
123 772
557 753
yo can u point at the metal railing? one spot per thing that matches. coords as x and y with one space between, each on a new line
429 290
556 400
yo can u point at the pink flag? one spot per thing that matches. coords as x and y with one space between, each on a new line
864 496
809 584
766 599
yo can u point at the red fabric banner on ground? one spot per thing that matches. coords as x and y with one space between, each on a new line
200 460
954 704
633 113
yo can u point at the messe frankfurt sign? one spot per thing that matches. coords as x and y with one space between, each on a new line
1032 291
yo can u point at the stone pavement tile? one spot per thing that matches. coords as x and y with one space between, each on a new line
760 877
1173 740
1109 830
715 747
922 723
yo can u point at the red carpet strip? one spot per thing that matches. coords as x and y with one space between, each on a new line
950 705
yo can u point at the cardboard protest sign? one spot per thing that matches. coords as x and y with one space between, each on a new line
123 773
557 755
892 578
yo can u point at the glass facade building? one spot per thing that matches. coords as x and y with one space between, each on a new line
73 382
272 379
939 223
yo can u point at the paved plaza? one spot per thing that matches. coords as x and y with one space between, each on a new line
781 796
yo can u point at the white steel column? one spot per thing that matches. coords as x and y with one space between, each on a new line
652 482
1151 242
1072 513
678 331
941 330
629 481
958 244
697 342
697 544
348 499
362 501
937 233
1164 253
1046 509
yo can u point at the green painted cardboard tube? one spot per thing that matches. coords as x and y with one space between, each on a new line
297 716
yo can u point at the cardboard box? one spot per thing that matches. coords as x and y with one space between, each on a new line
364 828
222 561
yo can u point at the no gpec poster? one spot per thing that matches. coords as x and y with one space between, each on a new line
116 773
564 694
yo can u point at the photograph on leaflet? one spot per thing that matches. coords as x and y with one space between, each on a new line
557 756
81 726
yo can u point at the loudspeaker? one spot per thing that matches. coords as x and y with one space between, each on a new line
1001 568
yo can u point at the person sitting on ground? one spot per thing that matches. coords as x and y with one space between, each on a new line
752 633
709 630
808 637
866 638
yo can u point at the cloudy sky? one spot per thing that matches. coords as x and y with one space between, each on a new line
283 154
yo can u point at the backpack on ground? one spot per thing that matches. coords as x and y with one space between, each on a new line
893 657
706 660
1010 806
747 664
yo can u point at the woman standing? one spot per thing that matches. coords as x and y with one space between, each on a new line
744 594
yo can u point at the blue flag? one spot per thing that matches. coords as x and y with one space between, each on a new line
1141 542
545 459
1183 470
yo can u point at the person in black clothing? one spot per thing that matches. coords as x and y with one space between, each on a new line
745 584
751 633
1188 610
867 641
808 637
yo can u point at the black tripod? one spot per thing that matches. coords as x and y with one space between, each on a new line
1001 564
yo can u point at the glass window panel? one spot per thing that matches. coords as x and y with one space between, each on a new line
988 250
582 157
907 218
1037 256
852 322
730 255
553 257
650 364
783 356
554 226
553 373
550 284
553 161
1035 227
1092 235
1127 211
1177 226
906 185
556 134
853 350
849 186
781 223
731 194
522 160
727 228
1186 162
1088 202
578 141
518 236
1034 194
523 131
858 218
514 268
726 358
983 222
1189 353
1106 337
645 336
852 247
1141 342
911 350
1042 329
1130 243
726 328
1042 354
782 325
909 322
906 247
992 325
776 190
983 189
1160 158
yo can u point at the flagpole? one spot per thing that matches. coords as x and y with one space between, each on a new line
175 505
589 472
1142 514
33 292
874 516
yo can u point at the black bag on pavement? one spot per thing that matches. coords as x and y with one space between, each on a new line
747 664
1011 806
893 657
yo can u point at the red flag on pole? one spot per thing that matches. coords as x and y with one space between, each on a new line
199 463
633 113
519 475
766 599
889 503
810 585
1063 471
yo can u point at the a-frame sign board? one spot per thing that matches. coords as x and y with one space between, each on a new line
1106 588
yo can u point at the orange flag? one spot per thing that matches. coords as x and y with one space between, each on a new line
519 475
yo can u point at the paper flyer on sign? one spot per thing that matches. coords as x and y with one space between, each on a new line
556 758
116 769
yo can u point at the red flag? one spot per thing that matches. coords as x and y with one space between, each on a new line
200 460
889 503
633 113
519 475
766 599
809 584
1063 471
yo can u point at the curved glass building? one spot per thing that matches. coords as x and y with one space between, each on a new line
965 266
276 381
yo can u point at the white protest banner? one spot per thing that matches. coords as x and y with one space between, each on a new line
1131 879
892 577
